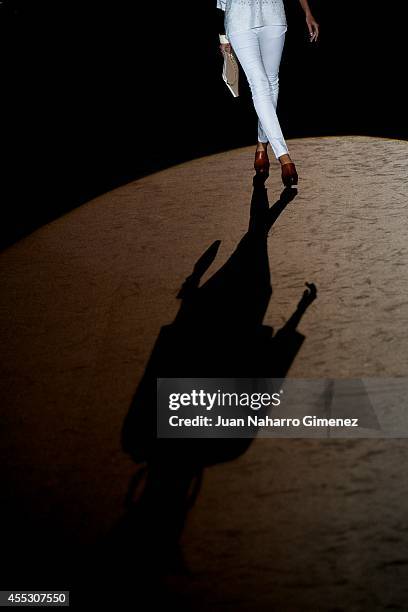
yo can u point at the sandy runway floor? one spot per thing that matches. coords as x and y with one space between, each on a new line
292 524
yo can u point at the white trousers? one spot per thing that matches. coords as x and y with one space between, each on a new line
259 51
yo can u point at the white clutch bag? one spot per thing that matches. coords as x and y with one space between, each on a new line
230 72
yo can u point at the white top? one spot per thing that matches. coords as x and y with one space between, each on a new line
243 15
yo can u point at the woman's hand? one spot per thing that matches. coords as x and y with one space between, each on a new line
312 26
225 48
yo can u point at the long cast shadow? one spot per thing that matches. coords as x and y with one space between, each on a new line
218 332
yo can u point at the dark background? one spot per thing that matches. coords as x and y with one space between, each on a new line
96 94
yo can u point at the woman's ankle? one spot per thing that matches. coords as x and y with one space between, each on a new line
285 159
262 146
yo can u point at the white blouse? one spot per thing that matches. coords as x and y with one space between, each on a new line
243 15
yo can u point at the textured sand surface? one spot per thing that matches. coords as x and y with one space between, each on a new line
292 524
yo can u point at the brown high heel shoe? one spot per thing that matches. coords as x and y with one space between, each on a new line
289 175
261 163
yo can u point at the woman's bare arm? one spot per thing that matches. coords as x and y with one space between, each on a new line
224 46
311 22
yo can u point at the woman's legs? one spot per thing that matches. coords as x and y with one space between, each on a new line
271 41
249 47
